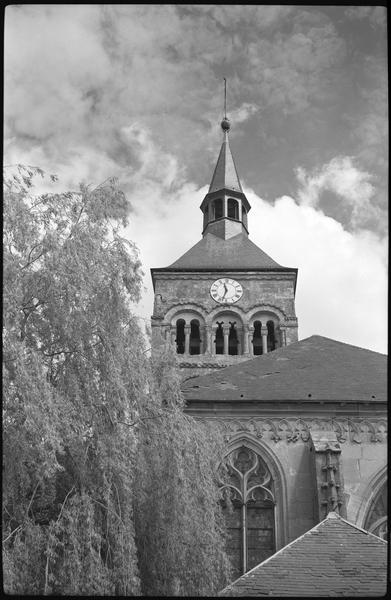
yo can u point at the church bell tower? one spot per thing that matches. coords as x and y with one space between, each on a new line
224 300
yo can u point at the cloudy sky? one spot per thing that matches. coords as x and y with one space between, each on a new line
136 92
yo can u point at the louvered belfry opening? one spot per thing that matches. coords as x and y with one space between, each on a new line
219 338
180 336
195 338
233 341
257 339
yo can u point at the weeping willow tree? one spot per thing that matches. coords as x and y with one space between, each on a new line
108 488
180 530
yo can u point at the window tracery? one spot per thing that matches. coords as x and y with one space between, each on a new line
376 521
250 523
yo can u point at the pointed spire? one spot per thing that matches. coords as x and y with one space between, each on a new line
225 175
225 206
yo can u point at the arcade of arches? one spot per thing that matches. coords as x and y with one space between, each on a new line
226 336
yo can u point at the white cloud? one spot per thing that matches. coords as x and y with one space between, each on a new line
343 178
241 114
342 279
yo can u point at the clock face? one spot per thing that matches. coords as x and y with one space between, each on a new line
226 291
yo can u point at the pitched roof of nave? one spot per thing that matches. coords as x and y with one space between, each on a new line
334 558
237 252
316 368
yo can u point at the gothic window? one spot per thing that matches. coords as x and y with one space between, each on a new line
249 510
233 341
180 336
218 208
376 521
195 339
233 209
257 338
271 337
219 338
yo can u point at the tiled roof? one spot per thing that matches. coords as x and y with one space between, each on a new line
238 252
335 558
316 368
225 175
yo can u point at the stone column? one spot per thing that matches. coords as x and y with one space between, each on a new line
245 339
240 210
187 339
204 338
264 339
226 336
208 337
250 340
225 207
213 340
239 331
283 335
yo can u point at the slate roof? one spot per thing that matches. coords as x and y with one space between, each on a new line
316 368
238 252
225 175
335 558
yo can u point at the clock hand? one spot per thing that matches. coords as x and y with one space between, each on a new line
226 290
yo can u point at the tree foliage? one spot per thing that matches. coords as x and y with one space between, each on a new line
181 542
108 487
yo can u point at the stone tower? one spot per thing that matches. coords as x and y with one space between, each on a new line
224 300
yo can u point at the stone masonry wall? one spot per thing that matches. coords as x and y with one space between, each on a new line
361 459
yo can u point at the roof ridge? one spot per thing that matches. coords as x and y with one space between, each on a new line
324 337
268 559
352 525
330 515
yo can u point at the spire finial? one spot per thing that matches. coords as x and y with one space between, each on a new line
225 124
225 98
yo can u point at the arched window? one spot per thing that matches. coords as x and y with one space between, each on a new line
251 522
257 338
244 216
219 338
271 337
180 336
233 341
218 208
233 209
376 521
195 338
